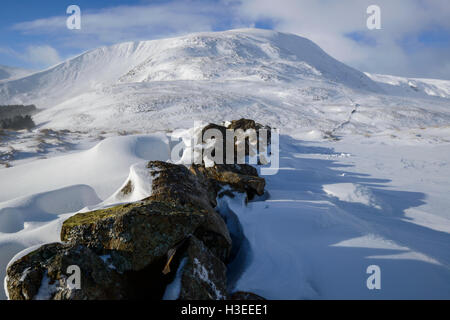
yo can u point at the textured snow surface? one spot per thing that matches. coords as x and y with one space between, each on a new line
55 192
431 87
327 220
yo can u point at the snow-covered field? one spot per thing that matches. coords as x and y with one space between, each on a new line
364 159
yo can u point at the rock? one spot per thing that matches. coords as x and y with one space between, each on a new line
204 275
247 124
241 295
172 182
42 274
240 178
135 235
127 189
175 183
251 143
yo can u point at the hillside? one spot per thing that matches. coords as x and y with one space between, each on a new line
280 79
248 54
9 73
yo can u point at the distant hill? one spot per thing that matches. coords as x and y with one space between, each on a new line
7 73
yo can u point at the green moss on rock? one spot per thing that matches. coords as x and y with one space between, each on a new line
135 235
92 217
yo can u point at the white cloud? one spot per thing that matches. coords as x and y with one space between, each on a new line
329 22
325 22
41 56
127 23
34 56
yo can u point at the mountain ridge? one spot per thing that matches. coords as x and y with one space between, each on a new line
229 55
9 73
276 78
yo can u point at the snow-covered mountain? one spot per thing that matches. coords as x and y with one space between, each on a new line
277 78
430 87
364 158
9 73
234 55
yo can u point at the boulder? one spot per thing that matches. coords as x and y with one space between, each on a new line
176 184
204 275
238 177
43 274
247 124
239 129
135 235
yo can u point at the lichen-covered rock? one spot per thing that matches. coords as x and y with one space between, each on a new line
246 124
176 184
172 182
43 274
240 178
204 275
246 135
134 235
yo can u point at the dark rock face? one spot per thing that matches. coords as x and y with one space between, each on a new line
42 274
175 183
134 250
134 235
246 136
239 177
204 275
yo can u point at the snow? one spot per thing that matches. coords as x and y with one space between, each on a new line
61 186
10 73
47 289
431 87
104 167
24 274
140 179
21 213
318 247
364 158
107 260
351 192
202 273
174 288
244 54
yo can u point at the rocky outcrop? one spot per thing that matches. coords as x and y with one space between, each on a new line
134 250
204 275
239 178
177 184
134 235
246 135
43 274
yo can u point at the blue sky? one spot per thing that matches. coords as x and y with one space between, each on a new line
414 39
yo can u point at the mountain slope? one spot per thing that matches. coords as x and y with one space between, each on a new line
8 73
408 86
249 54
280 79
